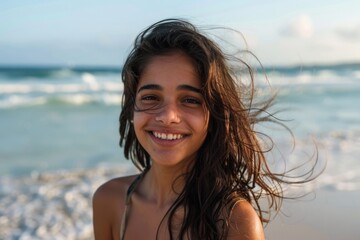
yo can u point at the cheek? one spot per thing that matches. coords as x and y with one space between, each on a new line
139 116
203 124
138 122
206 119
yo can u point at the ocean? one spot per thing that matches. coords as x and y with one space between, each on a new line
59 139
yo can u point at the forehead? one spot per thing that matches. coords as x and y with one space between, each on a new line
174 68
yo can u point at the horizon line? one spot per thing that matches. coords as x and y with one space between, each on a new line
108 66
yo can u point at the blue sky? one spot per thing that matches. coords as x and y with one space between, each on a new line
89 32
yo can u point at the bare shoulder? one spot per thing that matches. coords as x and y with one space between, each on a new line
113 189
245 224
108 206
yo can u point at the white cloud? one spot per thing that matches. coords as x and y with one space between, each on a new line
325 47
349 32
300 27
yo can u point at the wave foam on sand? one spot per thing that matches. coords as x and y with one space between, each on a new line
52 204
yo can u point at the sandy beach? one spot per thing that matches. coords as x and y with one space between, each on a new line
324 215
59 204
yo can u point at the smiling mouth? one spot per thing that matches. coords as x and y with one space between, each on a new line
167 136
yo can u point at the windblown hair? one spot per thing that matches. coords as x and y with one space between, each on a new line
231 163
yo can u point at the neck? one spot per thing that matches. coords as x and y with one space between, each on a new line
162 185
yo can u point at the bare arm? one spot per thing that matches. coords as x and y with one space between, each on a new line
245 223
108 206
101 218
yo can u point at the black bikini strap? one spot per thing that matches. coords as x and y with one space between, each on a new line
129 192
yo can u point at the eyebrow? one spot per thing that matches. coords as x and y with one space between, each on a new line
150 87
188 87
180 87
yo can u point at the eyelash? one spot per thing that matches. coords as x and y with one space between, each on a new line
149 98
191 100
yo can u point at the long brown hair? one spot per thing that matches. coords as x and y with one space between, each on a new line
231 163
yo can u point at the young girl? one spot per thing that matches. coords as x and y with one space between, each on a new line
188 126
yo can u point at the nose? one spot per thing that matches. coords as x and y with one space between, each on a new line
168 114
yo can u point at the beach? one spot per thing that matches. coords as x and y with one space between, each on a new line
324 215
59 142
58 204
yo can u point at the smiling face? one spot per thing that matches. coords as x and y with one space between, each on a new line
170 118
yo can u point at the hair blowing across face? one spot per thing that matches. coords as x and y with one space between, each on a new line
230 164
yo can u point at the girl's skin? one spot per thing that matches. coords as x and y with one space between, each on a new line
172 132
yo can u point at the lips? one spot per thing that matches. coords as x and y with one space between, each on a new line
167 136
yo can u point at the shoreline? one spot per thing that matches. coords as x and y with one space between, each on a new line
59 204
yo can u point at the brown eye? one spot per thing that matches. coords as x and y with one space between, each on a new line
192 101
149 98
148 101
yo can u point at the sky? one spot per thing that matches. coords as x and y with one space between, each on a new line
100 33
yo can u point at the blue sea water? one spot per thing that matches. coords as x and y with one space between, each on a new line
59 128
66 118
55 118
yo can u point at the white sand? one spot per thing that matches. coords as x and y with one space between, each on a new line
328 215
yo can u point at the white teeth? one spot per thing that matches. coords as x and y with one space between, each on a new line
169 136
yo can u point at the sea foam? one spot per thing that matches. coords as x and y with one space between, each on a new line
56 204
